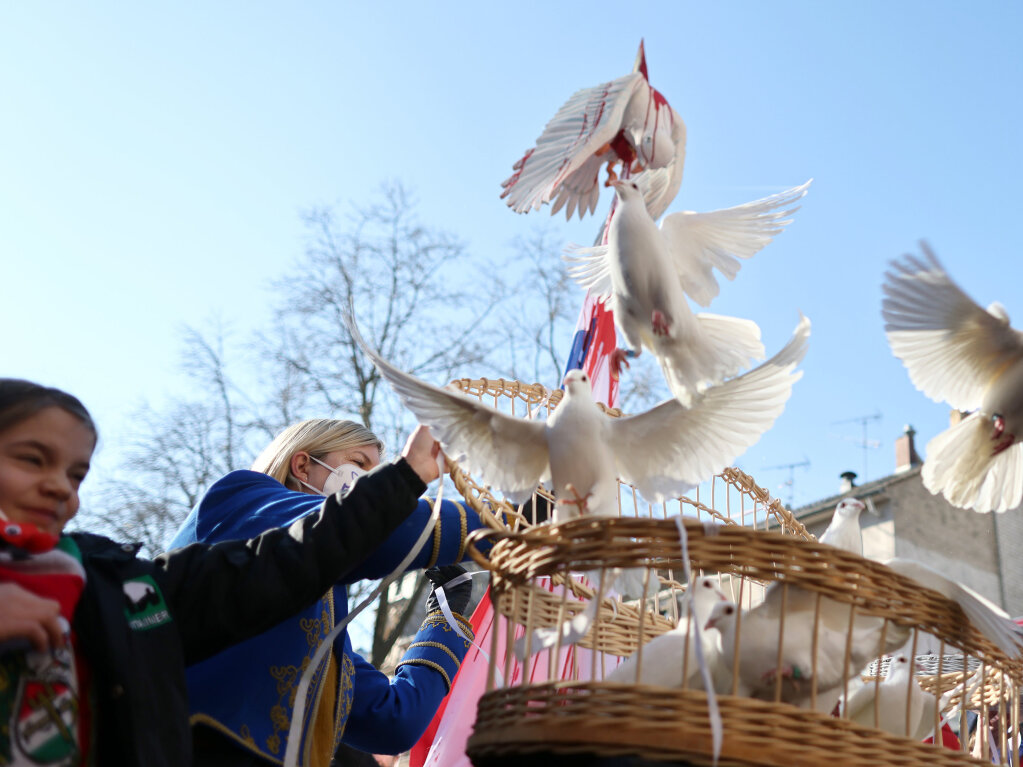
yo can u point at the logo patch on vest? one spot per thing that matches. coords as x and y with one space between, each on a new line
144 606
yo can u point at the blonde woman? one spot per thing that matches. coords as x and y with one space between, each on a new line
242 699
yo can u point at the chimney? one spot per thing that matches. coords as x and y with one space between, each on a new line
906 457
955 416
848 481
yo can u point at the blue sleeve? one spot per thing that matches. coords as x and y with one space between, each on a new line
445 547
389 715
242 505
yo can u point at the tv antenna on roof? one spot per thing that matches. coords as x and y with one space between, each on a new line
790 483
864 443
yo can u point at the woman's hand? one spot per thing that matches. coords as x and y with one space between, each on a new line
421 451
23 615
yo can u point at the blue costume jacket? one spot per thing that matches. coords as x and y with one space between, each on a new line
247 691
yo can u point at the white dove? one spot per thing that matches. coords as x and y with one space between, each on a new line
761 628
644 273
844 530
622 121
972 359
665 656
663 452
987 617
896 693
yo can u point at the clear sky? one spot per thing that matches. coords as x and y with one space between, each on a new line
155 158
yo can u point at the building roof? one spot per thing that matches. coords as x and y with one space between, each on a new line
823 508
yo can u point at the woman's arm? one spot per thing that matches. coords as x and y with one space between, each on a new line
223 593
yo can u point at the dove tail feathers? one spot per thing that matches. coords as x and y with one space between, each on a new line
960 466
720 347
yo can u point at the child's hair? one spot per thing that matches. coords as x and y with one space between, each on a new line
23 399
318 437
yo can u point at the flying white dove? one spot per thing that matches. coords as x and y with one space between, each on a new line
665 656
643 274
844 530
664 452
972 359
622 121
898 691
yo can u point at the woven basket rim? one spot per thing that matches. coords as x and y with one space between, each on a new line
871 587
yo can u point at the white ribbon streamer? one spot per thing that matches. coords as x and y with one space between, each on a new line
716 725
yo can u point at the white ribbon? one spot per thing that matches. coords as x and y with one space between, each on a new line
449 616
716 725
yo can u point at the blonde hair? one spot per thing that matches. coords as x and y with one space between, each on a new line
316 436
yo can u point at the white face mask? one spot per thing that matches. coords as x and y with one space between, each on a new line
339 479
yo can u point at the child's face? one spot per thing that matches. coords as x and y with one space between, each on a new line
43 460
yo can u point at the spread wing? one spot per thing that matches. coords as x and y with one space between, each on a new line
988 618
589 268
563 166
670 449
951 347
702 242
509 454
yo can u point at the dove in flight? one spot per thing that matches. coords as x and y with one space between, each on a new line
886 703
844 530
644 273
664 452
666 656
970 357
624 121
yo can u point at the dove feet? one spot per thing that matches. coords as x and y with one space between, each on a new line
1007 441
579 501
998 431
793 683
659 322
619 357
612 177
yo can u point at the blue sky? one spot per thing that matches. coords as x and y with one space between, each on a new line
156 157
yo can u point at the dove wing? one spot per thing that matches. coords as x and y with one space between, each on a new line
590 269
564 163
985 615
670 449
702 242
509 454
951 347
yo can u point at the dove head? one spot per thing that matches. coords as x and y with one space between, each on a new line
899 667
706 594
577 383
628 191
722 615
656 149
850 507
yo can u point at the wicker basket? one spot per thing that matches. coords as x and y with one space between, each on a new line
575 716
734 528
